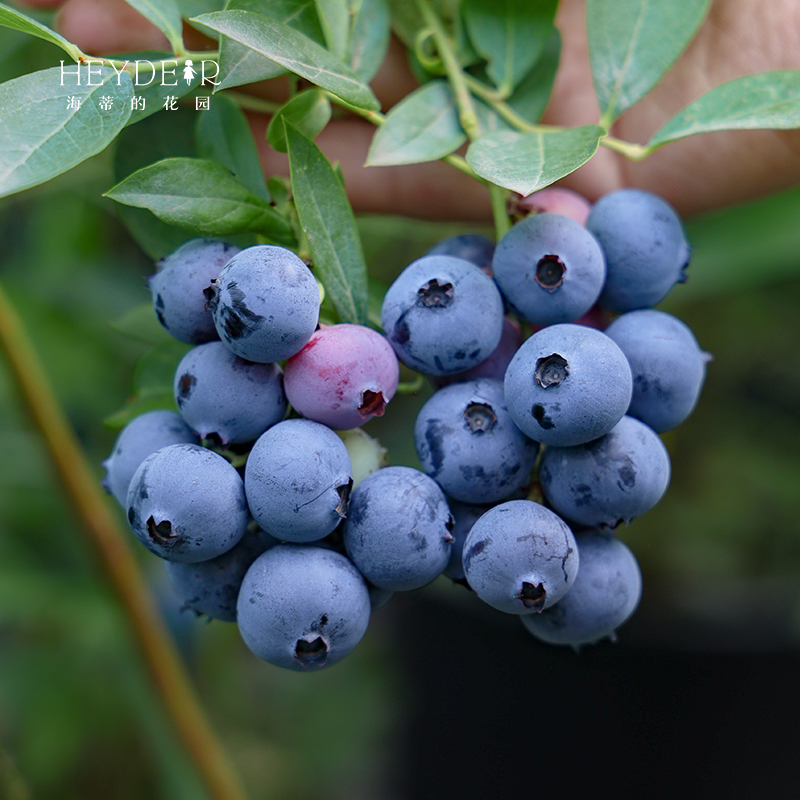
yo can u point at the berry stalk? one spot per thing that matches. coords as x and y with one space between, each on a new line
161 658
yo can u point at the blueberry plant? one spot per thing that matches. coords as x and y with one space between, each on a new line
245 470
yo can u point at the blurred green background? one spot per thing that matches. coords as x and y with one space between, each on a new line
720 554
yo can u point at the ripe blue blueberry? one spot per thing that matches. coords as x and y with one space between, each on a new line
607 481
442 314
645 247
467 442
520 557
265 303
297 480
568 384
493 367
549 269
212 587
302 607
343 377
142 436
605 594
179 284
187 503
472 247
225 398
465 515
397 530
667 363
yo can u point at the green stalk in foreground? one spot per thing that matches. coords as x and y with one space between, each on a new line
163 663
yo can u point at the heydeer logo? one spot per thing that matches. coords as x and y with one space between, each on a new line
143 72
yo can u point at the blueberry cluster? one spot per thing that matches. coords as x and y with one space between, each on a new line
553 379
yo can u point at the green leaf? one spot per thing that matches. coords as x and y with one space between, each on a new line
532 95
308 111
201 196
328 222
165 15
43 134
632 44
423 126
369 38
768 100
510 35
164 135
489 121
240 65
10 18
294 51
525 162
223 135
334 17
192 8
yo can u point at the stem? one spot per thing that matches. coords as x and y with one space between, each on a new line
455 75
502 222
496 101
117 560
635 152
147 65
375 117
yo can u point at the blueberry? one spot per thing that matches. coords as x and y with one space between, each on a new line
568 384
645 247
397 530
605 594
465 515
142 436
442 314
265 303
549 269
178 287
187 503
212 587
472 247
302 607
343 377
378 597
607 481
468 443
297 480
520 557
493 367
225 398
667 363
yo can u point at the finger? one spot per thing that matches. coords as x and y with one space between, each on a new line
41 3
433 190
108 26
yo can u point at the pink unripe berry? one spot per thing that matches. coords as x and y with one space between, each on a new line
551 200
343 377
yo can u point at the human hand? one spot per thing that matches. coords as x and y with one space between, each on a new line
695 174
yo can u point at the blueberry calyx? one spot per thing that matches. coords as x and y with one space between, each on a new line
436 295
161 533
344 498
551 370
550 272
311 653
372 404
480 417
532 595
449 527
211 294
